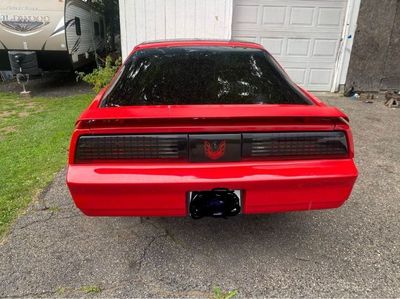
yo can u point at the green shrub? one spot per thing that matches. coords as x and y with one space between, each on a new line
101 76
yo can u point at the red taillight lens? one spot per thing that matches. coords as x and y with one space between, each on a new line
292 145
130 147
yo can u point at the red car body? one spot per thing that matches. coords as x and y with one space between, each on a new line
161 188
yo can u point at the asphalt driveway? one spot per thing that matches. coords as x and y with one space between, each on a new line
354 251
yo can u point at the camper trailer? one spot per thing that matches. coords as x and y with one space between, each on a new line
49 35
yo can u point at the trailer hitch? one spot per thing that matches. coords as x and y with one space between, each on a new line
219 202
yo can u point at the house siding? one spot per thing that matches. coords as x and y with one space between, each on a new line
146 20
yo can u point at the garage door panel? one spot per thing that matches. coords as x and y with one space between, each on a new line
313 49
301 63
330 16
298 75
298 47
279 33
303 35
325 48
249 38
291 3
303 16
319 78
275 46
273 15
246 14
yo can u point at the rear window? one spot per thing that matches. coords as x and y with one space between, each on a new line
202 75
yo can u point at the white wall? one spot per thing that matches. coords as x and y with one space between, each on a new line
146 20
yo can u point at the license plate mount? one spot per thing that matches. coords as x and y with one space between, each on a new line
217 202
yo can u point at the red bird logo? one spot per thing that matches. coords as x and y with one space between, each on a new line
214 149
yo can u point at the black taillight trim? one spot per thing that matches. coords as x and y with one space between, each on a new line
295 145
178 147
90 148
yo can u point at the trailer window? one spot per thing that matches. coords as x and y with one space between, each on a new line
203 75
78 26
102 28
96 29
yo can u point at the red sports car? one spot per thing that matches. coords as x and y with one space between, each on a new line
208 128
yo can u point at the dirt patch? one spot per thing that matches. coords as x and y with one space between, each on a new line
7 130
6 113
27 109
52 85
23 114
29 105
9 113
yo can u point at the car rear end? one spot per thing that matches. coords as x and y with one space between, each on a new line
161 143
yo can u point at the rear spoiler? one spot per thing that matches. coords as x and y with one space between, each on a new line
221 112
211 112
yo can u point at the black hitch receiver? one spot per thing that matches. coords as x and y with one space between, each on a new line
215 203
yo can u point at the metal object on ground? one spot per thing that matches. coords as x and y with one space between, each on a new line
392 99
23 79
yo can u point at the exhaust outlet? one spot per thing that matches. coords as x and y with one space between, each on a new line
215 203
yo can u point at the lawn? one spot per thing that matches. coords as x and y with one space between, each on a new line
34 138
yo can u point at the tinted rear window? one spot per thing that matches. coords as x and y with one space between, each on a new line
202 75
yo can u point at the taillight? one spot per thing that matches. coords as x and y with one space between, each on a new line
130 147
294 145
211 147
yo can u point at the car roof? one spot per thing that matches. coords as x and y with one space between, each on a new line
196 42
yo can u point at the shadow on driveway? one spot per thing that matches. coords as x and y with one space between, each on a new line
50 85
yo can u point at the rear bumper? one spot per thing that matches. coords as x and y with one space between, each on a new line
161 190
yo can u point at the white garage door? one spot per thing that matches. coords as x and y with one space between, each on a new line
303 35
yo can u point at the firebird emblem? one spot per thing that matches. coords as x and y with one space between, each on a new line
214 149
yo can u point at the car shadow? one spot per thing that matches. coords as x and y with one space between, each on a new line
243 233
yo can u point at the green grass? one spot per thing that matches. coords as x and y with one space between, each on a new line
219 294
91 289
60 291
34 139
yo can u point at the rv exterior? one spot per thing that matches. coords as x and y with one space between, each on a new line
49 35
